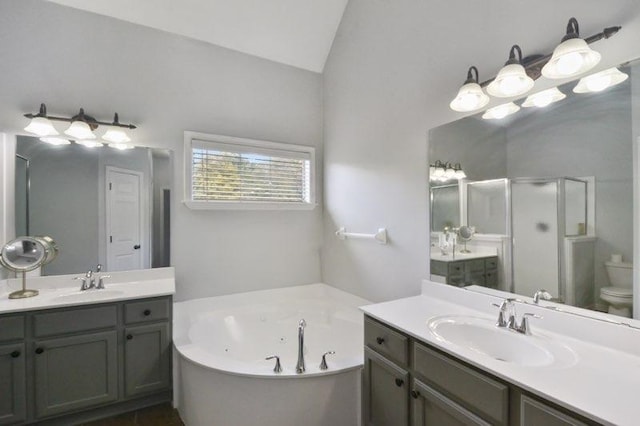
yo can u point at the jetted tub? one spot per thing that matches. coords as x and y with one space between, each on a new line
222 377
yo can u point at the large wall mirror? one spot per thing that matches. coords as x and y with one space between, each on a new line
101 205
550 194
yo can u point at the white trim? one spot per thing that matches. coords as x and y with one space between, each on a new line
195 138
636 229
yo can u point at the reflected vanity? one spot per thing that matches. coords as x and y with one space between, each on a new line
549 192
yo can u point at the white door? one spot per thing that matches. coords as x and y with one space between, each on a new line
124 219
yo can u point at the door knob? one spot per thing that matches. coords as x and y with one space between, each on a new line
136 247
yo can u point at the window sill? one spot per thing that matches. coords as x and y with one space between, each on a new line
246 205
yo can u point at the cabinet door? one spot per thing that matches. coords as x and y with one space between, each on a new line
75 372
12 384
533 413
432 408
385 396
147 353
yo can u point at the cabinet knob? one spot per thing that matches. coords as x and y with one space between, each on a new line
380 340
415 394
147 312
399 382
129 336
15 354
39 350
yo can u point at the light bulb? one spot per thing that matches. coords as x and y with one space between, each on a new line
89 143
544 98
52 140
600 81
501 111
120 146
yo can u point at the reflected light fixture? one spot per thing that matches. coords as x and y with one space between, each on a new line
544 98
442 172
572 56
470 96
40 125
512 79
599 81
501 111
89 143
53 140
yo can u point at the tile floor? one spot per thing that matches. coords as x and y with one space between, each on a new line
158 415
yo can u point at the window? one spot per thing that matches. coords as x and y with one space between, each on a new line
224 172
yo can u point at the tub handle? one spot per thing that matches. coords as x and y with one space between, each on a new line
323 363
277 368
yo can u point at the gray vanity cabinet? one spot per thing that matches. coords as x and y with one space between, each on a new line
460 273
146 358
76 372
386 397
408 382
13 407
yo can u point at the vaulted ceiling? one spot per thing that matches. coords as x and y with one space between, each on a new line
292 32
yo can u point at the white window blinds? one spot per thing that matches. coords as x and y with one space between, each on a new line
240 173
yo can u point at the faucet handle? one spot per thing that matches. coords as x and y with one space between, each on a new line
99 267
277 368
323 363
524 327
100 285
84 286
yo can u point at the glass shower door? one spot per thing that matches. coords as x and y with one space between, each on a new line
534 221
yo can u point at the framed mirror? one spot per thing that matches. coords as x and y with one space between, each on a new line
101 205
550 192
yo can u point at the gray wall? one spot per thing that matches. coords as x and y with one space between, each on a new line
393 69
167 84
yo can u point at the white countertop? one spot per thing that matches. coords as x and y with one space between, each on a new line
601 384
62 290
436 255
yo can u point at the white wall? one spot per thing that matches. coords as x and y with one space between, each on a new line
167 84
393 69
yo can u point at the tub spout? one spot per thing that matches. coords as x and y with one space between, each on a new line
300 365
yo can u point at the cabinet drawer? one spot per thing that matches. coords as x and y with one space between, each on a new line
479 393
456 268
439 268
491 263
476 265
148 310
534 413
74 320
491 279
11 328
386 341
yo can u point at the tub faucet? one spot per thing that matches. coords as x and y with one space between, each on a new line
300 365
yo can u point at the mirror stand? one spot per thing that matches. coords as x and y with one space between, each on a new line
24 293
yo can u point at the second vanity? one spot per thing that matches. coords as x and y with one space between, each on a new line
69 356
439 359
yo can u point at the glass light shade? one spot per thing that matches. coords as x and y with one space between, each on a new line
601 80
41 126
570 58
116 136
120 145
460 174
449 173
544 98
80 130
52 140
512 80
501 111
438 172
89 143
470 98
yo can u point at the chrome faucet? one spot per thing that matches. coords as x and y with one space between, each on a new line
541 294
89 279
300 365
507 317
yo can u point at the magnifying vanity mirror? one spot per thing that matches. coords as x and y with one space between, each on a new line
25 254
101 205
550 193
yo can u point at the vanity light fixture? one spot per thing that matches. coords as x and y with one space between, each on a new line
81 129
544 98
572 56
512 80
599 81
40 124
500 111
470 96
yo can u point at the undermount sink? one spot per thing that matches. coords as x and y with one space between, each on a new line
89 295
482 336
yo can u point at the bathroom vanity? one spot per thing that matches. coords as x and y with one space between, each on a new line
68 356
439 359
464 270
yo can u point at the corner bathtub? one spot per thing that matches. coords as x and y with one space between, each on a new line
222 377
